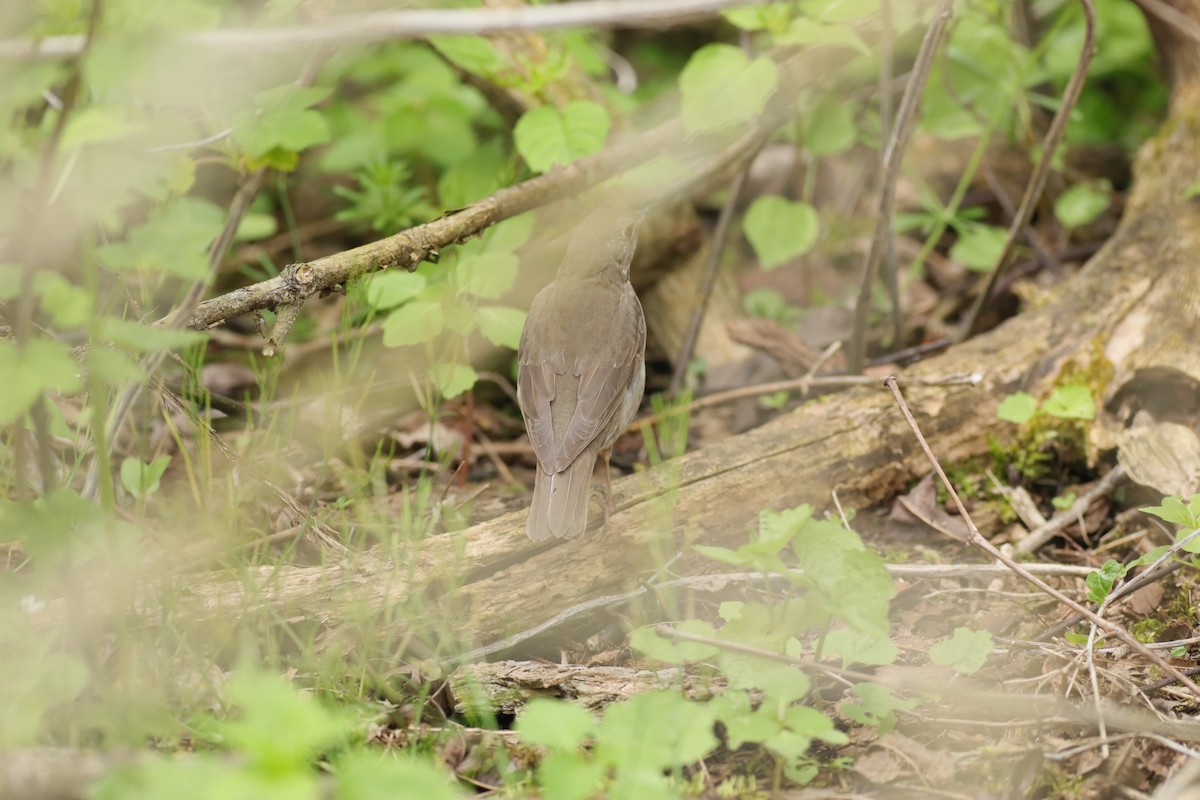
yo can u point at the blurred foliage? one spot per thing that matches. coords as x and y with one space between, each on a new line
117 176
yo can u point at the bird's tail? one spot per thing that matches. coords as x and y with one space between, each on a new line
560 500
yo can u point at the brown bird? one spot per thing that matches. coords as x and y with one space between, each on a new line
581 369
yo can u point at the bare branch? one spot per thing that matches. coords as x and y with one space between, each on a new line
388 25
1037 181
893 155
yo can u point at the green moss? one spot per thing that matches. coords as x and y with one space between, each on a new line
1147 630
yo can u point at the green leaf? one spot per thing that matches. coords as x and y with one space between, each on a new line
569 776
478 176
176 242
142 480
413 323
721 86
554 724
1064 501
769 304
45 526
146 338
978 246
1077 639
255 226
849 580
41 365
829 127
488 275
774 401
501 326
858 648
461 315
807 31
281 124
1100 582
782 526
1073 401
966 651
1082 203
546 136
70 306
392 288
780 683
453 379
780 230
367 775
96 124
1018 407
1173 509
640 783
474 54
279 729
813 724
507 236
632 735
876 706
757 18
751 726
112 366
841 10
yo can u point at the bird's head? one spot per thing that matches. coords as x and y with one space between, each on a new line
604 241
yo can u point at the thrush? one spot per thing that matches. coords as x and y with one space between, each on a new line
581 369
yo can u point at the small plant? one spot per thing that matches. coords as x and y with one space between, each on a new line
277 734
385 200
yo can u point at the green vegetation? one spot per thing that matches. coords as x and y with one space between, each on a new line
149 518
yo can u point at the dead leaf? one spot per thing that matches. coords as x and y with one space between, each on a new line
879 766
1145 600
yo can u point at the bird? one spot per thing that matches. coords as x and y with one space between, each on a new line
581 369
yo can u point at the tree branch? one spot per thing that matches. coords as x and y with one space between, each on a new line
414 24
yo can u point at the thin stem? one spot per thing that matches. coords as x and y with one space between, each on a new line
711 270
892 156
1037 181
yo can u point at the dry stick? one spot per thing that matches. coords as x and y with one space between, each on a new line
415 24
1044 533
795 384
976 538
886 55
711 268
1037 181
892 156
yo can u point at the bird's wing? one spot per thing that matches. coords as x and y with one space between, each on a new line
602 387
535 390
